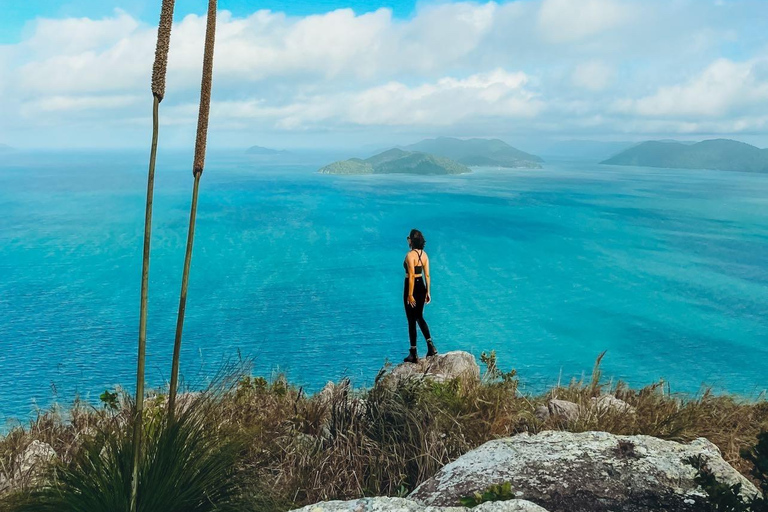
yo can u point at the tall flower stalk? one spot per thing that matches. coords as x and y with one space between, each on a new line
197 172
158 92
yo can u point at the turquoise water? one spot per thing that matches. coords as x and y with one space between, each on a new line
667 270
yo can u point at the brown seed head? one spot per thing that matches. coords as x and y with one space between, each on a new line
205 90
161 50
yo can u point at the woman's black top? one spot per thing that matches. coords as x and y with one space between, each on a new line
418 269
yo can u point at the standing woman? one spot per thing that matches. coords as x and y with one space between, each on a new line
416 292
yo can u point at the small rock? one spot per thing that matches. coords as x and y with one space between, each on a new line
542 412
30 464
569 411
606 403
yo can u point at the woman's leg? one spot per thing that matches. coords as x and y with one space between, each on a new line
410 314
420 294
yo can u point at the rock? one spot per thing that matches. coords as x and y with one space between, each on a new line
585 472
569 411
384 504
29 465
542 412
325 395
607 403
439 368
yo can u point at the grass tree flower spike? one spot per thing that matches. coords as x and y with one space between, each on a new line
197 171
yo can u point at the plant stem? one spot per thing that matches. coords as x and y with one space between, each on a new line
137 420
183 299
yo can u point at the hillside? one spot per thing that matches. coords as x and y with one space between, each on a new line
717 154
397 161
478 152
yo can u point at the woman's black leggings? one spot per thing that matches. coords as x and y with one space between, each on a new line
416 313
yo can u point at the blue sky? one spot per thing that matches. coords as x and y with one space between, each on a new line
333 73
17 14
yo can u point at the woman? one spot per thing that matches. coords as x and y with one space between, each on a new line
416 292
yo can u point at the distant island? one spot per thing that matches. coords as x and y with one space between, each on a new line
478 152
716 154
397 161
443 155
258 150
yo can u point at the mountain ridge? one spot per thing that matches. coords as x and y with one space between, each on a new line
714 154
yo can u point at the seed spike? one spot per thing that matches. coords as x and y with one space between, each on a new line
205 90
161 50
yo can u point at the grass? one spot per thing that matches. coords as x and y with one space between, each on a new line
191 464
345 443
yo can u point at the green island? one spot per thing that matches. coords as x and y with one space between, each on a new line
478 152
443 155
715 154
397 161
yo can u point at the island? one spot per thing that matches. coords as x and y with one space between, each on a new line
443 155
478 152
715 154
397 161
259 150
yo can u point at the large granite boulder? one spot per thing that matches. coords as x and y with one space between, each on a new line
589 472
438 368
384 504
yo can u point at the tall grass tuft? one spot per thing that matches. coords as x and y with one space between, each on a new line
187 465
158 93
197 170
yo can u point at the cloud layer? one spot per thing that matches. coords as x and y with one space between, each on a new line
552 68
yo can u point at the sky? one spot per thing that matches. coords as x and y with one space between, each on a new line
335 73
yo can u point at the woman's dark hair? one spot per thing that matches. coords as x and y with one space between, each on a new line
417 239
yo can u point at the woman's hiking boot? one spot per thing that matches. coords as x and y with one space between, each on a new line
431 350
412 357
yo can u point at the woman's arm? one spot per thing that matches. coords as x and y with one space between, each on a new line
411 278
427 280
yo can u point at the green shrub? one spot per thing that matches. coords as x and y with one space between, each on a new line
497 492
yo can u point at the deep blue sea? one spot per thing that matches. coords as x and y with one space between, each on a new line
667 270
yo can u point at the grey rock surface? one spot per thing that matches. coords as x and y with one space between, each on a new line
589 472
384 504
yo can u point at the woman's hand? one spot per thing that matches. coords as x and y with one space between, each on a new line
428 300
412 301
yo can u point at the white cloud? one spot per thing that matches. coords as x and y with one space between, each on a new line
564 21
724 87
442 103
542 66
593 75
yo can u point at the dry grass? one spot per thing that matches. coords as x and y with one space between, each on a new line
346 443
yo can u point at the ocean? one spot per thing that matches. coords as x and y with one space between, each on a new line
301 273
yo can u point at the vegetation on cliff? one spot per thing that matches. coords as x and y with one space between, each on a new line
345 443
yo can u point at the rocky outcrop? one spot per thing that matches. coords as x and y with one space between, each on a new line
405 505
439 368
28 465
585 472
